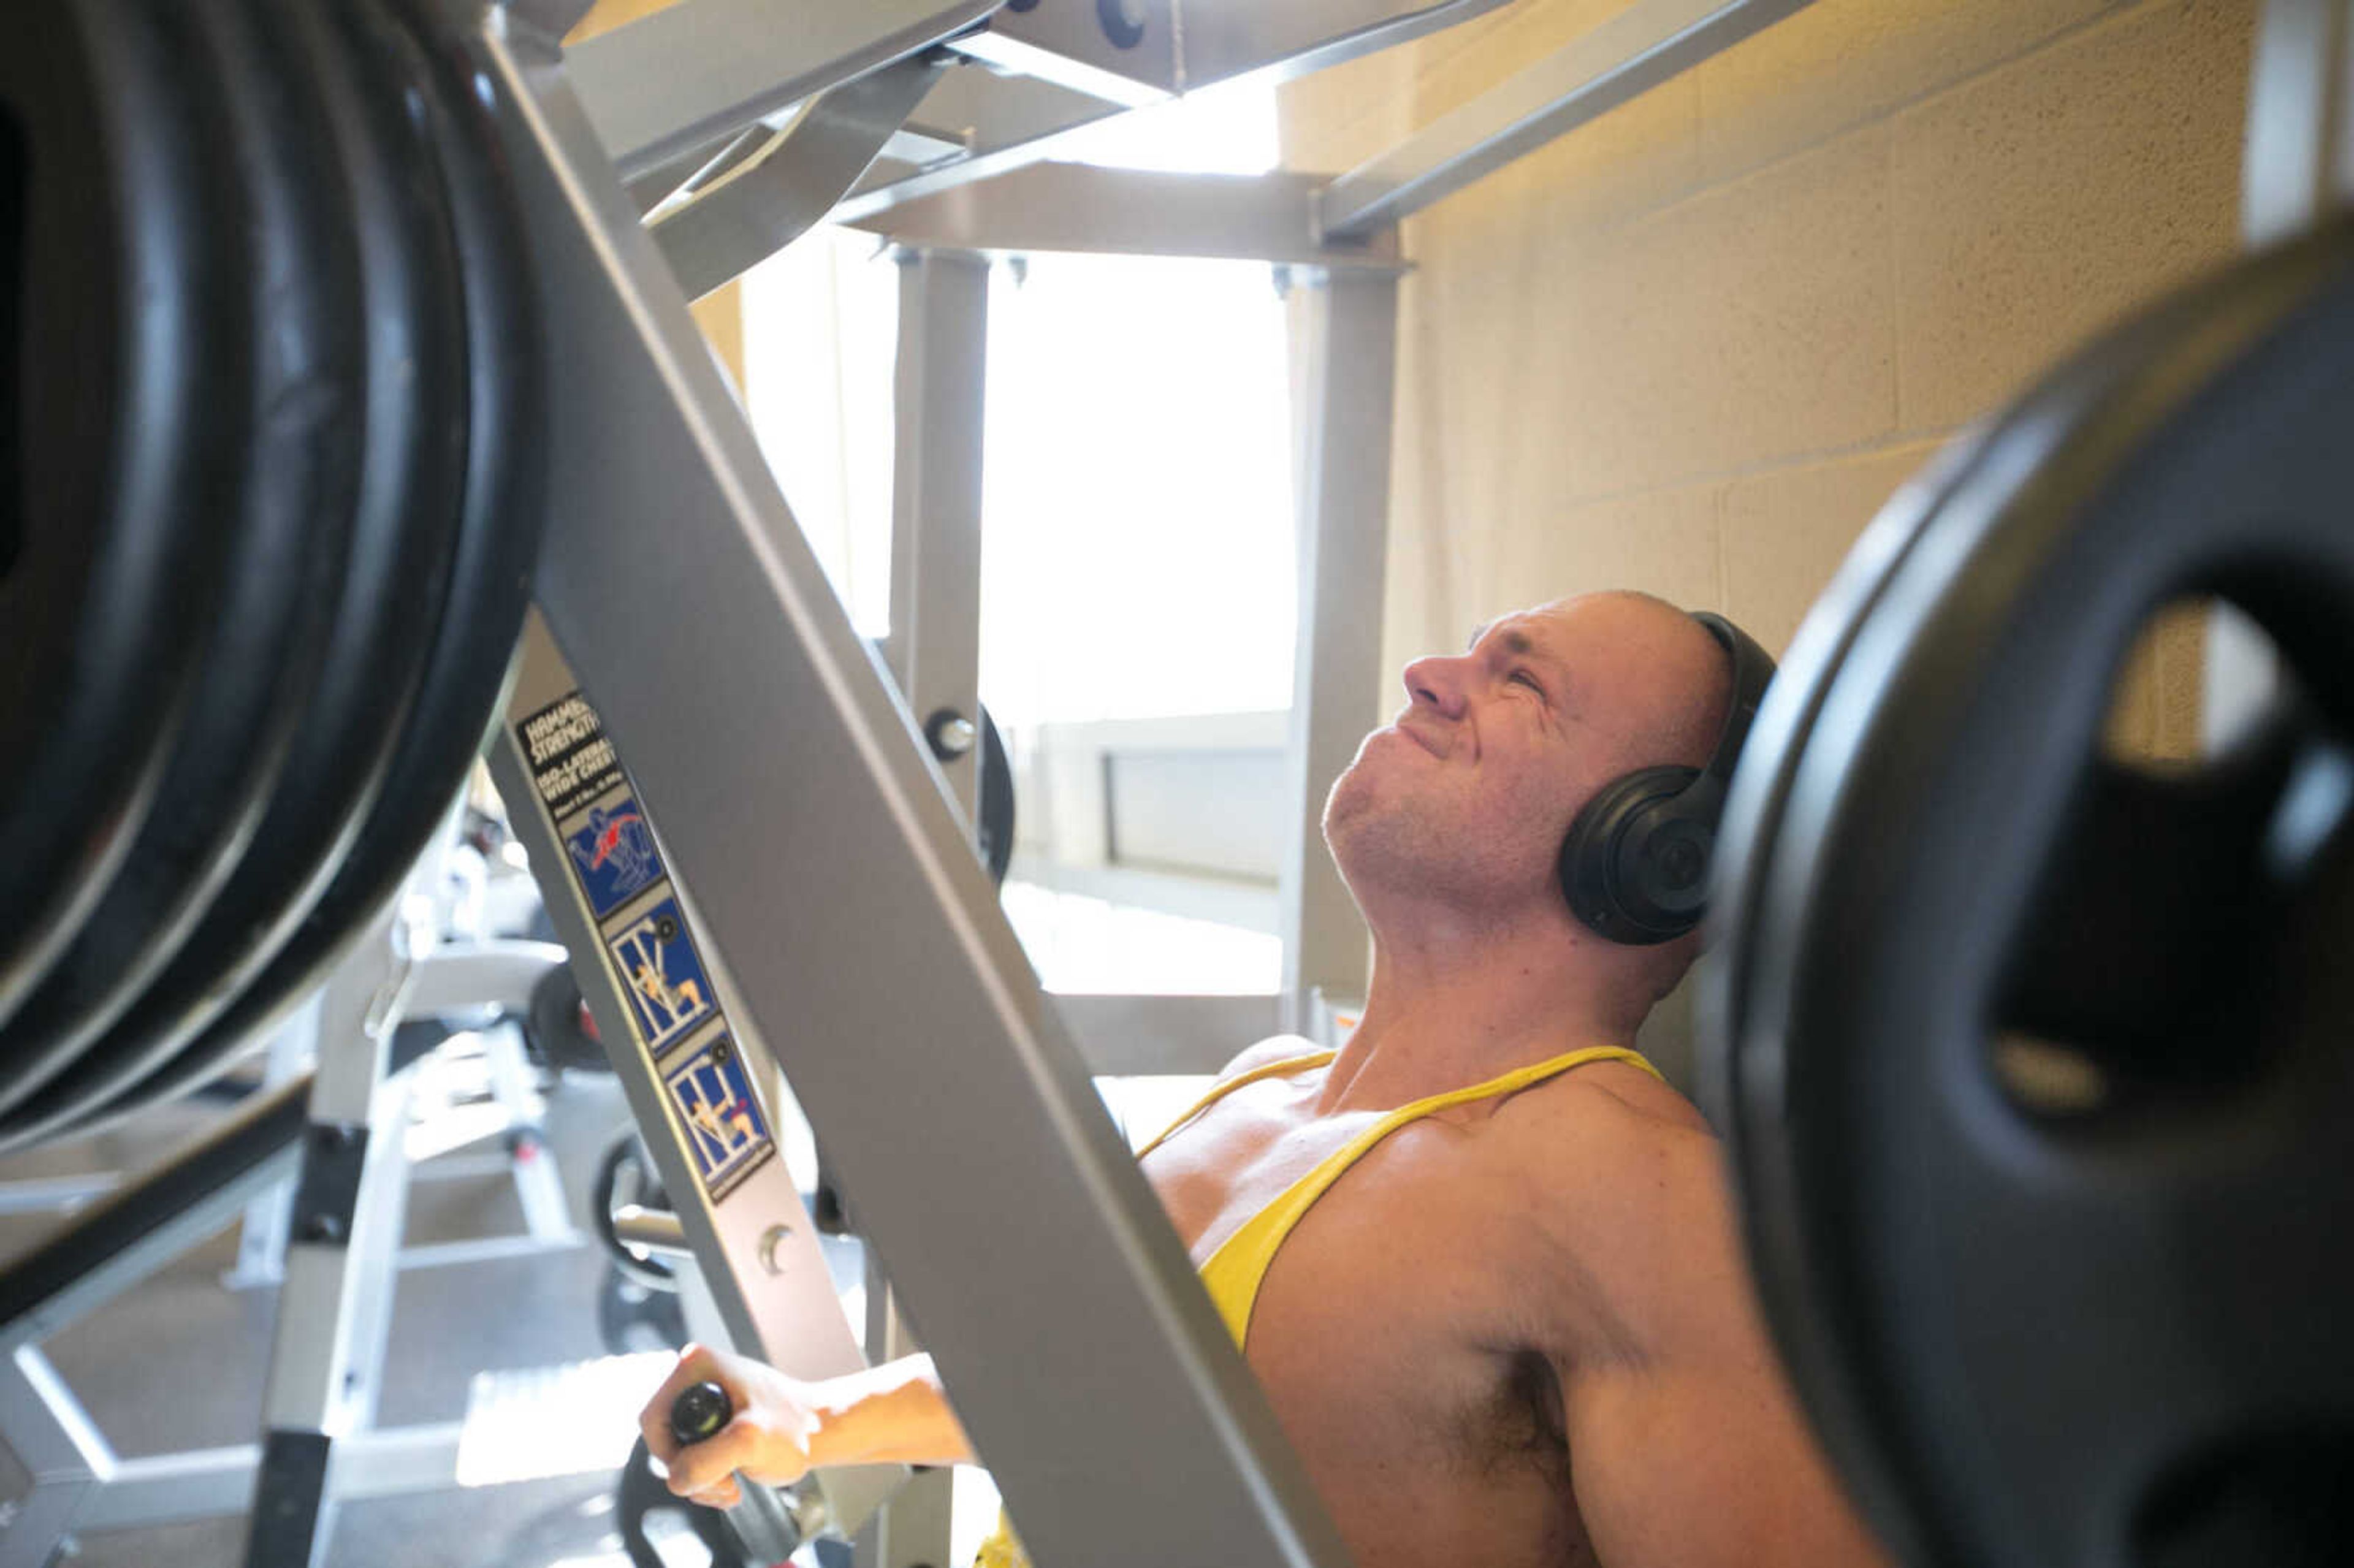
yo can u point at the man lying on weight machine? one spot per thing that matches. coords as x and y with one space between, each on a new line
1519 1331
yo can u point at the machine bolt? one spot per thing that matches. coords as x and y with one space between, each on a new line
952 734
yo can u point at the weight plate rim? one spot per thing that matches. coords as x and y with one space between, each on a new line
69 817
472 648
300 427
1776 1030
400 553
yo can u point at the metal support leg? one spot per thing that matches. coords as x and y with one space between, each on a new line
934 651
114 1244
1347 355
2300 149
547 1214
913 1532
336 1301
45 1428
375 1253
2298 165
934 648
262 1240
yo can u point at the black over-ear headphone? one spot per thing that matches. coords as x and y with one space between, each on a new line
1634 866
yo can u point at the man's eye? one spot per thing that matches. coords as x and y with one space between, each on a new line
1525 679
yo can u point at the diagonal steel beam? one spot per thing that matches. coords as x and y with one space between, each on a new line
703 70
774 196
836 882
1627 55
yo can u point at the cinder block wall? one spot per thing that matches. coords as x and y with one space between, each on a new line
1693 345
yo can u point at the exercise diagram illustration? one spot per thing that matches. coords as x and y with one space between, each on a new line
665 981
615 852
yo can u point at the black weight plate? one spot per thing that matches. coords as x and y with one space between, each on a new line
1736 1077
993 832
396 574
292 519
557 1028
1760 787
1743 1063
498 543
120 303
2052 1340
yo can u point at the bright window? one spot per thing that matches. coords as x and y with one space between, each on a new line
1139 554
1138 541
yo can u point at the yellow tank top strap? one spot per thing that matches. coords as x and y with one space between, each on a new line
1232 1274
1225 1086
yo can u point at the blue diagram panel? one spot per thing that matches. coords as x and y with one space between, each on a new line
714 1097
662 974
614 853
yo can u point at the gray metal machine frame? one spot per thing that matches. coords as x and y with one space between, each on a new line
881 973
837 916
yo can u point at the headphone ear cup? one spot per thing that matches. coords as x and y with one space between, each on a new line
1629 865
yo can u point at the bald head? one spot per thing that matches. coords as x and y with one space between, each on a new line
1658 681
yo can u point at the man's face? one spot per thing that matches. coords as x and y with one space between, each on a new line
1466 796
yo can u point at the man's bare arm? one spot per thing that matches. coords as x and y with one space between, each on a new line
784 1428
1687 1447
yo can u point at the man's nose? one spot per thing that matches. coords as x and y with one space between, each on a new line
1438 680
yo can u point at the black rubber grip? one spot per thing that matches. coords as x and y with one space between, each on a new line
700 1412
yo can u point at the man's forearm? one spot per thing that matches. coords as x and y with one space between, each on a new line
893 1414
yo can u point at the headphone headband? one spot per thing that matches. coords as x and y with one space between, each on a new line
1753 668
1635 863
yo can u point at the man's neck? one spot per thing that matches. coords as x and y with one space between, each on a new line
1458 1006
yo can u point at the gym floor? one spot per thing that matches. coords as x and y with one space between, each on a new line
179 1361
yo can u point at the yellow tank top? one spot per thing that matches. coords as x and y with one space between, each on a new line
1232 1274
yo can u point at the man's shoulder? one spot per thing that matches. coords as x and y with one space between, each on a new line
1267 1051
1609 1127
1613 1099
1623 1181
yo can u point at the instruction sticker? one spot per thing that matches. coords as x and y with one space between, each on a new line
593 810
662 972
571 761
613 850
714 1097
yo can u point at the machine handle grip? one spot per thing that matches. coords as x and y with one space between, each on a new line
764 1518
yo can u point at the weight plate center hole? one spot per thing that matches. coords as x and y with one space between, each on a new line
2152 938
2283 1499
2156 696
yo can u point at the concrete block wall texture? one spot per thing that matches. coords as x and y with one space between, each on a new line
1692 347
